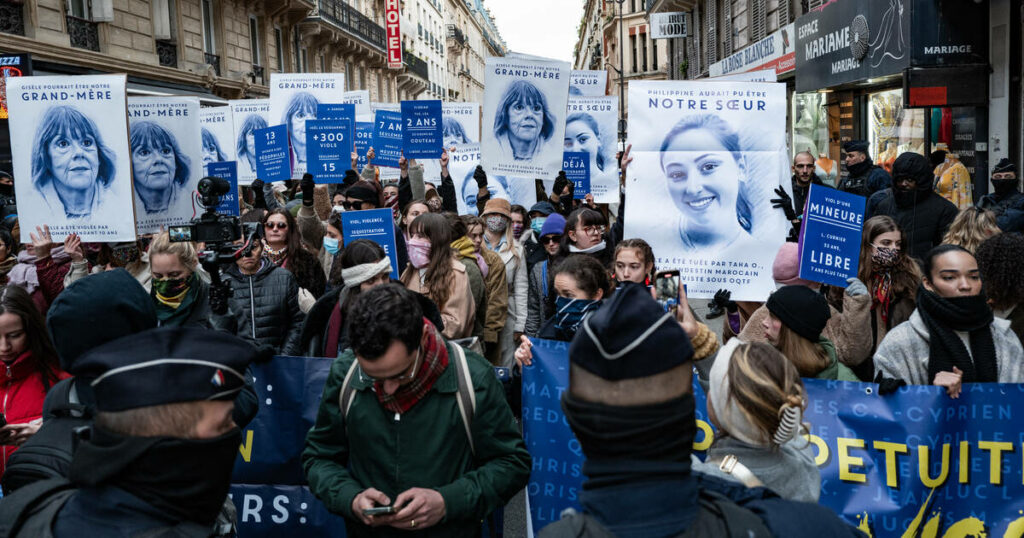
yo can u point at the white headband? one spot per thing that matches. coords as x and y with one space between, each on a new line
729 416
354 276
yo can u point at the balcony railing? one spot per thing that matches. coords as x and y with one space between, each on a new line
345 17
84 33
416 66
456 34
212 60
12 18
167 52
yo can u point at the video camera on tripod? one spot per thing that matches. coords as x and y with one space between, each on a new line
219 233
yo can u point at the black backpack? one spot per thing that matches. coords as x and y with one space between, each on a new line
718 517
47 454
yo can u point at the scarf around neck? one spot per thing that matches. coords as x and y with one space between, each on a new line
24 272
433 362
944 315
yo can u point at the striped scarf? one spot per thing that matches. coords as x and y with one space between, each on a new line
435 360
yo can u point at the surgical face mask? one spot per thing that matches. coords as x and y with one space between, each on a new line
536 224
419 252
496 223
339 208
331 245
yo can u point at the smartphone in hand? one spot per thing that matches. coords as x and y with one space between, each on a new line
379 511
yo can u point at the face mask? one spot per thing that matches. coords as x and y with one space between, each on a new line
331 245
1004 186
339 208
434 204
537 224
170 287
885 257
569 313
419 252
496 223
517 230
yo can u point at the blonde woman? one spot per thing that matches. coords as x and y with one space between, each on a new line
180 296
796 318
970 228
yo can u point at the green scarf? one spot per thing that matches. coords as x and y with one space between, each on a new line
175 317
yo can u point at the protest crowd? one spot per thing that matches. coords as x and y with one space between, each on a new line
433 278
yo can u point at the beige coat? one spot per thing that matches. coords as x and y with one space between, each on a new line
459 312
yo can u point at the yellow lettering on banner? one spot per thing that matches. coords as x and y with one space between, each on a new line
245 449
965 463
709 436
892 478
916 522
846 461
996 449
818 442
923 464
971 526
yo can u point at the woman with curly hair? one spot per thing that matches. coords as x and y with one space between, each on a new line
999 259
972 226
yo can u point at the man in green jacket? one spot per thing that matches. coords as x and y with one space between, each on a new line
401 440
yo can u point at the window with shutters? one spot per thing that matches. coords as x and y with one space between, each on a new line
815 4
254 40
654 54
209 43
727 28
784 15
632 44
279 48
757 19
710 22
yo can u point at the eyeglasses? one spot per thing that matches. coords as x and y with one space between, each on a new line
400 377
277 225
550 239
593 230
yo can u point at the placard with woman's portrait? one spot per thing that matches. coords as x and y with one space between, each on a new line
167 159
248 116
293 100
591 125
69 145
707 157
218 135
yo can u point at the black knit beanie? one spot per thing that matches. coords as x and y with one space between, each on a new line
801 309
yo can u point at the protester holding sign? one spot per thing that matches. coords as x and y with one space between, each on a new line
952 338
434 272
454 462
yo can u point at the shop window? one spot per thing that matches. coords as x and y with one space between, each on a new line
893 130
810 133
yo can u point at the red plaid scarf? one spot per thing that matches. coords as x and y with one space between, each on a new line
432 365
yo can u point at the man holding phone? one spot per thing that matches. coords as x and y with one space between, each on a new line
394 448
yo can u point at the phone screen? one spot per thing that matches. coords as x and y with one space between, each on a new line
379 511
667 285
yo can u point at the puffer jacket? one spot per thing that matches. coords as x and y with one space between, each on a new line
22 391
535 298
270 298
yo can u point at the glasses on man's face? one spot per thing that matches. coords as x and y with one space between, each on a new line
277 225
405 376
548 239
593 230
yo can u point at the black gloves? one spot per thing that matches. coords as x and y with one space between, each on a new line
307 186
888 385
561 182
257 190
785 203
351 177
723 298
220 294
480 176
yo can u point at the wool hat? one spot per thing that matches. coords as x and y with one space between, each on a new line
166 365
351 178
801 309
856 145
95 310
915 166
430 194
786 267
1004 165
554 225
630 336
544 208
500 206
362 193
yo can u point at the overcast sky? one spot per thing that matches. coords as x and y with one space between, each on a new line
541 27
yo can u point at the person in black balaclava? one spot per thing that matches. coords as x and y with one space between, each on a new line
631 406
1005 200
6 189
864 177
923 215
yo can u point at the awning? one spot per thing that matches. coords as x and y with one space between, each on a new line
205 98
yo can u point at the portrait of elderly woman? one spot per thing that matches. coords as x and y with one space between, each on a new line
708 181
453 132
71 167
301 107
211 148
245 147
523 123
159 168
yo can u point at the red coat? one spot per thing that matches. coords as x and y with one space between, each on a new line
51 281
21 396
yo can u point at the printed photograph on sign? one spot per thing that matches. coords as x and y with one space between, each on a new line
587 83
460 125
218 134
462 164
167 159
293 100
247 116
707 157
70 153
524 116
361 100
591 125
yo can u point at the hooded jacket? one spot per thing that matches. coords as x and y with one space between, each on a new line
923 215
1009 210
266 307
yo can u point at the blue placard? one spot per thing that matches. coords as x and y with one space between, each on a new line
577 169
328 149
361 143
387 138
422 136
273 157
830 236
228 171
336 111
377 225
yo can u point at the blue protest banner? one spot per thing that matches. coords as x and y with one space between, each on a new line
328 149
336 111
422 136
228 171
362 141
272 511
273 155
387 138
913 463
577 169
830 236
377 225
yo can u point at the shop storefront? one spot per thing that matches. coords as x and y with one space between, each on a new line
854 61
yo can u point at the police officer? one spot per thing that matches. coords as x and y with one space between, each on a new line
865 177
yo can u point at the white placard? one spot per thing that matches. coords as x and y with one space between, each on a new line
462 164
591 125
587 83
247 115
293 101
218 132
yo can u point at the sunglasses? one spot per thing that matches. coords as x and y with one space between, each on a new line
547 239
277 225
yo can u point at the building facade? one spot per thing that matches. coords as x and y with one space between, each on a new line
423 35
470 40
